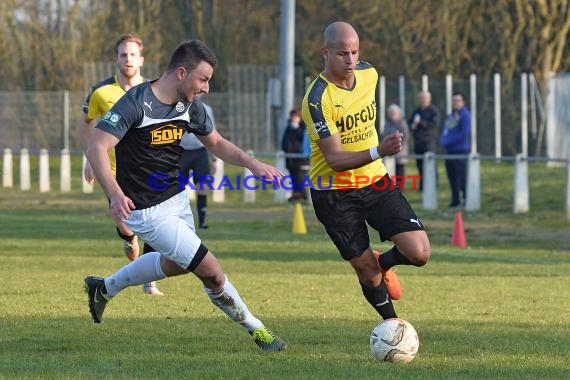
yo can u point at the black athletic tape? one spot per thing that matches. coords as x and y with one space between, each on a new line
198 257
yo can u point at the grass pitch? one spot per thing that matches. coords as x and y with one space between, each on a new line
498 309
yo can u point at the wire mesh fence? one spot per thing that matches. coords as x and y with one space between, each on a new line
247 115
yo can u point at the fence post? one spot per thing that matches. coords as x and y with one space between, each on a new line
497 89
280 195
44 171
521 185
429 199
402 93
473 90
248 192
524 114
473 188
568 188
425 83
25 183
65 171
448 93
382 102
218 194
390 164
7 175
86 188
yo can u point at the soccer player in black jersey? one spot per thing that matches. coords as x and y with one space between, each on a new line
145 128
102 96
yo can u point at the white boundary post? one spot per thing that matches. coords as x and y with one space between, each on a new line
219 194
65 171
25 180
425 83
473 186
44 171
429 198
497 88
520 196
280 194
390 164
7 166
248 192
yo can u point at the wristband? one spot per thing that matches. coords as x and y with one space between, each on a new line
374 153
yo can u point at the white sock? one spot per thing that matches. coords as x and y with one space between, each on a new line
229 301
145 268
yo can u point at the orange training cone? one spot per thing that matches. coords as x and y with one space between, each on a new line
299 226
458 238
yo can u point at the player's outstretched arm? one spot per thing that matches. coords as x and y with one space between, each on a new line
230 153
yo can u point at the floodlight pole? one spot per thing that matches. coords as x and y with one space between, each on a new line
286 63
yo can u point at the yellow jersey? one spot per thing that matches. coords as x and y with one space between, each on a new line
100 99
328 109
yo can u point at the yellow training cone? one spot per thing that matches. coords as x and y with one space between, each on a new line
299 226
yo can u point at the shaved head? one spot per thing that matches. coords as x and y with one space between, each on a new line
338 32
340 51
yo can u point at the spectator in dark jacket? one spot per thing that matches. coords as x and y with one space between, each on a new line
423 123
293 143
456 139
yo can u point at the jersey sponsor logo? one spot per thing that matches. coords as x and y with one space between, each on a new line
321 127
166 135
358 137
314 105
148 105
348 122
112 118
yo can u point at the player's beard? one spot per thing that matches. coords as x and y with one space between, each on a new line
183 97
129 73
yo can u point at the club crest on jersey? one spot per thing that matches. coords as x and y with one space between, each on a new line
179 106
166 135
112 118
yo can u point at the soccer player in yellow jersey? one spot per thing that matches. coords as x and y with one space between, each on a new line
351 187
101 98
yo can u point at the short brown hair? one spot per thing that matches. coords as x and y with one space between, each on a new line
129 37
189 54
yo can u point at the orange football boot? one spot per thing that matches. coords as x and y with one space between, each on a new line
391 280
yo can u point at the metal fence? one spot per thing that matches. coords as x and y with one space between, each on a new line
247 115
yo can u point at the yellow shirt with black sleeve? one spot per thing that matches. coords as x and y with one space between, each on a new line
99 101
328 109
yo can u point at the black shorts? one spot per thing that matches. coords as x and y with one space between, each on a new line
197 162
344 214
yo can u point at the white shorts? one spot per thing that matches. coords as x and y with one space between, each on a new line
169 228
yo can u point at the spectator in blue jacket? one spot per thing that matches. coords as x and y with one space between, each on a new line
456 139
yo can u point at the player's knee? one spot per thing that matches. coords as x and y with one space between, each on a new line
422 253
214 281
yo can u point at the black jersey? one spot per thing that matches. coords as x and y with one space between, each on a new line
148 153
